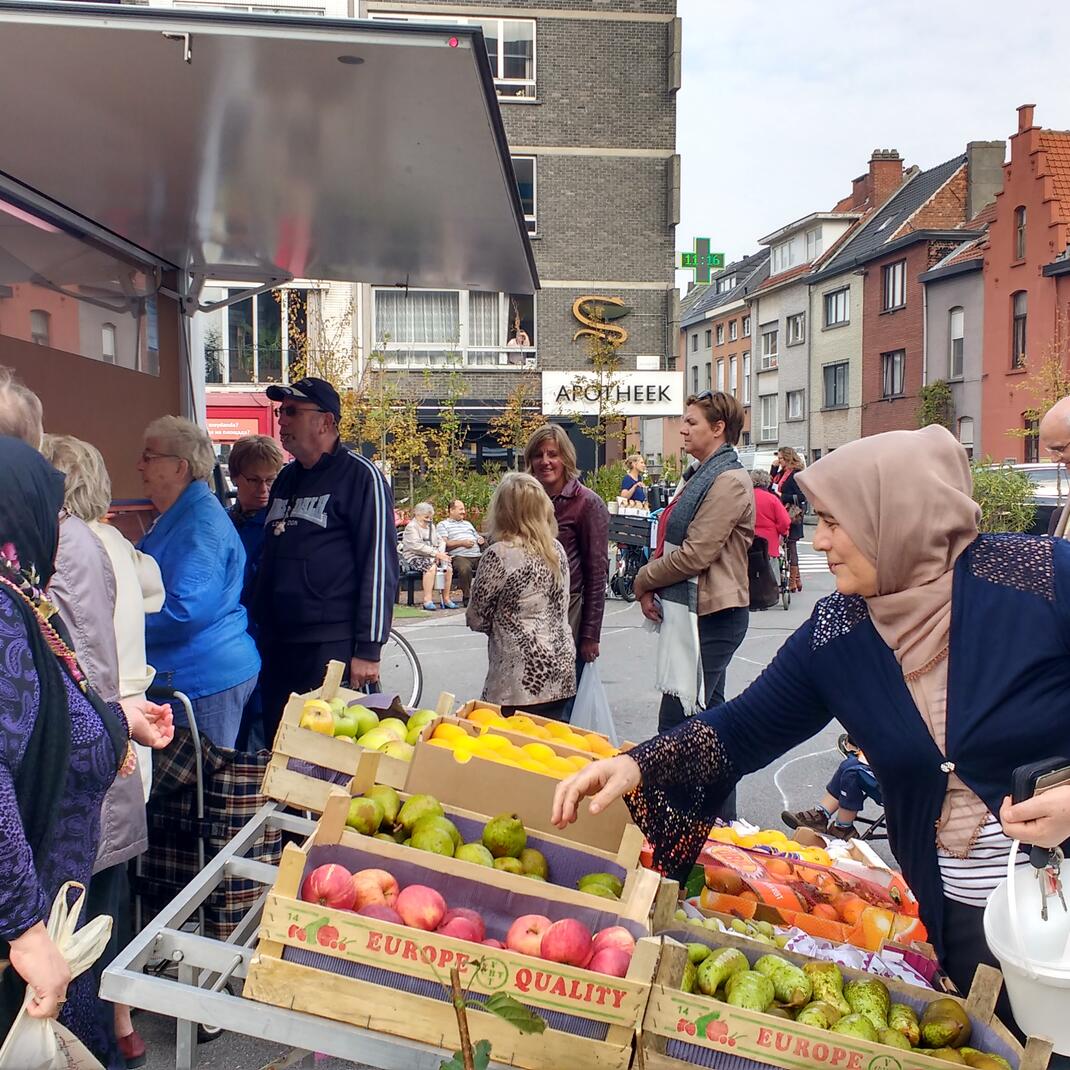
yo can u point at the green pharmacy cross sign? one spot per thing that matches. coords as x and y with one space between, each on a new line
702 261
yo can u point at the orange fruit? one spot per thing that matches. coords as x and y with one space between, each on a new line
483 715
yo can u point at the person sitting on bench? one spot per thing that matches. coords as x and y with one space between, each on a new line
846 794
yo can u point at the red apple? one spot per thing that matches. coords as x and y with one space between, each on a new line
614 936
381 912
611 960
494 943
421 907
374 886
472 916
525 934
329 886
567 941
326 935
459 929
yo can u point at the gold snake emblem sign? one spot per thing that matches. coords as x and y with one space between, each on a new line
598 319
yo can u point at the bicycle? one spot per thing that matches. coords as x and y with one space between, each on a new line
784 574
400 672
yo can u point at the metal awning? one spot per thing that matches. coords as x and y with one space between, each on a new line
258 148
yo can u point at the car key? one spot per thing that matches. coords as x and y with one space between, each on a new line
1027 781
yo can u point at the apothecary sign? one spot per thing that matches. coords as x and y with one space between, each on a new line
631 393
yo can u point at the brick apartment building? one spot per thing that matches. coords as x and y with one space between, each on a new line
1026 284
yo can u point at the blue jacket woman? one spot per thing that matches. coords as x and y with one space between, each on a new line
906 656
198 641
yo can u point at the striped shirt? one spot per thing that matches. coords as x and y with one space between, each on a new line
973 879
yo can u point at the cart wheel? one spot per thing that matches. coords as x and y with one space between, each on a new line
626 587
207 1033
785 598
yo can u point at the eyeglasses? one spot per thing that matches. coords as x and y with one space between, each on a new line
257 481
290 411
148 455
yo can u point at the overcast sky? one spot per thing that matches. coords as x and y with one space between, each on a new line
783 101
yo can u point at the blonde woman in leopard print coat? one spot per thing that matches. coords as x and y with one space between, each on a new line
520 599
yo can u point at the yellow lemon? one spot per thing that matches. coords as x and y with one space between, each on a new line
562 766
539 751
578 761
445 744
557 729
491 742
574 740
533 766
462 753
540 732
602 747
449 731
483 715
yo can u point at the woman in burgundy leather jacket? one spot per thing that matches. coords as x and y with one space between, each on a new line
582 529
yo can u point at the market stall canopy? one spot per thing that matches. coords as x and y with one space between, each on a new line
258 148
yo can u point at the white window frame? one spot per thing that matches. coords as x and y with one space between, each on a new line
733 330
770 353
781 258
835 302
746 326
746 377
893 373
40 326
733 375
709 376
894 286
813 243
794 411
109 343
720 373
720 334
796 329
694 342
956 342
502 84
1019 336
694 378
768 430
532 219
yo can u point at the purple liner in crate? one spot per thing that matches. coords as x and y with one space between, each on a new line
697 1056
500 907
332 776
382 704
416 986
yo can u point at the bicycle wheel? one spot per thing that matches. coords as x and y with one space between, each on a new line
399 670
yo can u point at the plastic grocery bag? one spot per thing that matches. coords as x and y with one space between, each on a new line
42 1043
590 711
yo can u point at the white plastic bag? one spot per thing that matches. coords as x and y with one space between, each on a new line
590 711
42 1043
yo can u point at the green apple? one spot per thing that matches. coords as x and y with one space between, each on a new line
345 724
398 748
366 719
421 717
377 738
337 704
395 726
412 737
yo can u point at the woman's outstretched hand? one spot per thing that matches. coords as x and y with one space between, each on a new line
606 779
150 725
1043 820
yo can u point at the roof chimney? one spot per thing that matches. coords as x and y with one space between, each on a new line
885 174
984 174
1025 117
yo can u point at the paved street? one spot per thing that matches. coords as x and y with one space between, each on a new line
454 659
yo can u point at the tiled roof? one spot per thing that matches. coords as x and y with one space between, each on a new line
984 217
886 220
785 276
971 250
749 272
1056 145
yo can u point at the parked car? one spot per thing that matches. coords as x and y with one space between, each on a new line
1051 483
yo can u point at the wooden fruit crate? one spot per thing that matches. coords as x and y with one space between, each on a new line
394 979
682 1030
305 765
486 785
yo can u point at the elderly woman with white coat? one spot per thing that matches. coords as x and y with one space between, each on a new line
423 550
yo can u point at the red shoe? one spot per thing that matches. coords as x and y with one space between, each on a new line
132 1049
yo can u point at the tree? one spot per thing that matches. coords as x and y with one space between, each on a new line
519 418
1005 496
936 405
447 464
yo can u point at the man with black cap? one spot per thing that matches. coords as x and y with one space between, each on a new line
329 575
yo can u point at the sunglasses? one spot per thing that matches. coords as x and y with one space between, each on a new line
290 411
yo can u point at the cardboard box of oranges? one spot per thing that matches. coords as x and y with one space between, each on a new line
531 726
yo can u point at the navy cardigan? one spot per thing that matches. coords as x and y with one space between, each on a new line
1008 704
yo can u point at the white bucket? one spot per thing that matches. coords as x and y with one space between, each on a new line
1034 954
440 577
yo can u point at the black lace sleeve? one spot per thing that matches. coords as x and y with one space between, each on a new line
687 775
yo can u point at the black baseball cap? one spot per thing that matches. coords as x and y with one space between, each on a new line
318 391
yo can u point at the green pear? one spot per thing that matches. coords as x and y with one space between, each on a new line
427 837
601 891
474 852
444 823
508 864
535 877
417 806
398 748
613 883
365 815
389 800
533 863
698 953
504 836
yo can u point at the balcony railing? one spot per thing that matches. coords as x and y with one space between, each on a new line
504 357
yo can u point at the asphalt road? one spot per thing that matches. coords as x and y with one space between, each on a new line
454 659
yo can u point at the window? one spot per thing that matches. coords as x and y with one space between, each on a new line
835 382
107 342
40 326
510 48
746 326
720 374
794 405
813 244
246 342
815 456
709 338
892 368
966 434
726 283
524 170
694 379
796 328
746 378
733 376
450 328
1019 232
694 342
838 307
769 349
957 327
783 257
732 328
720 334
708 372
767 417
894 277
1019 307
1032 439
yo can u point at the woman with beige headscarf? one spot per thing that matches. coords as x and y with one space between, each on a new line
945 655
